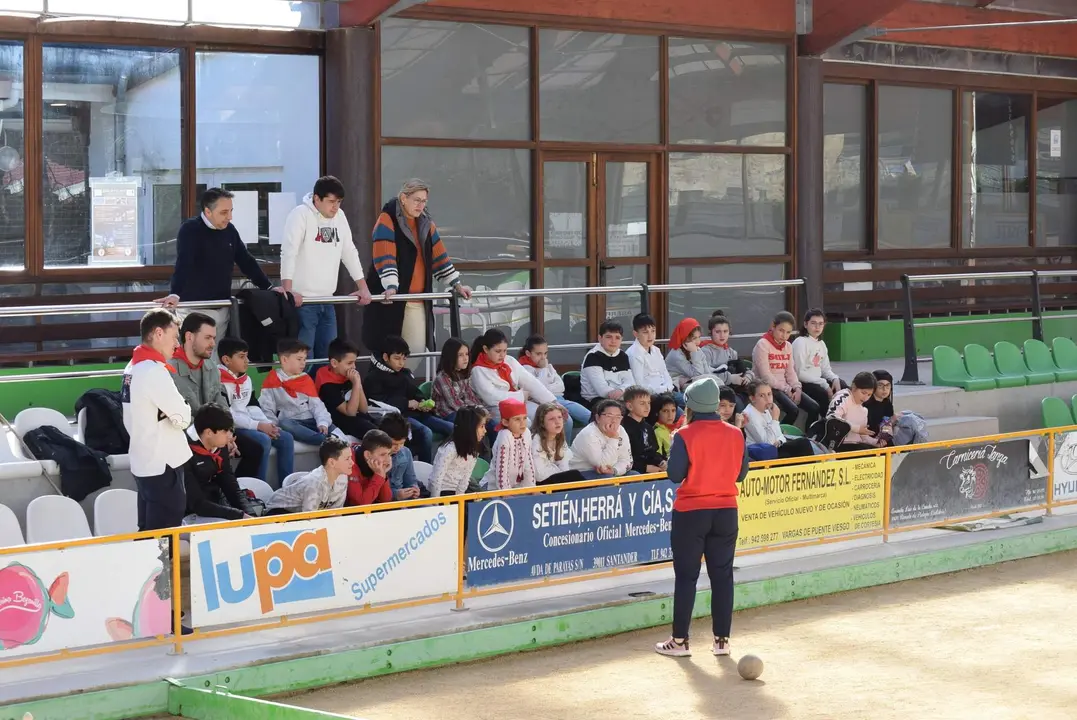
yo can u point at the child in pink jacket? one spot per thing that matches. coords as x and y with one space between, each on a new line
772 362
852 410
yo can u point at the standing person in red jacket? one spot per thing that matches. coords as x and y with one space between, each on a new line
708 459
369 481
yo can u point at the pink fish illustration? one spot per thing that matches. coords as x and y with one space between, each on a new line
152 615
25 605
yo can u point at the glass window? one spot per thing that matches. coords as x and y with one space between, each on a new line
726 93
111 133
89 331
22 5
565 316
259 136
264 13
156 10
726 205
1056 181
626 209
750 310
512 314
12 149
476 76
915 166
479 198
994 169
624 306
845 125
598 87
565 186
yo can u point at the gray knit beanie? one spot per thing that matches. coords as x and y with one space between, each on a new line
702 395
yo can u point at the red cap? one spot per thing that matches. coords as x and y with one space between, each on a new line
511 408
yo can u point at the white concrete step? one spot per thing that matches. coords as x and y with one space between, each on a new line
955 428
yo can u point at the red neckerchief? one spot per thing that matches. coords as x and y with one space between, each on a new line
769 335
673 427
502 369
180 354
200 449
143 353
227 378
325 376
526 361
303 384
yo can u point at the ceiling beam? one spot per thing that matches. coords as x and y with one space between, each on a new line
355 13
837 20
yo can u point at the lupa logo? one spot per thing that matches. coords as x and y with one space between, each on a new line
974 480
282 567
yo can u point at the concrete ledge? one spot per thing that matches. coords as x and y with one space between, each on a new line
296 675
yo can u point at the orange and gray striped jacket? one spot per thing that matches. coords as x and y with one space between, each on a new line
385 248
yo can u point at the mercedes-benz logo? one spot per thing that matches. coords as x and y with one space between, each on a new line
495 525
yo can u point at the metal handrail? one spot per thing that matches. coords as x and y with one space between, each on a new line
911 374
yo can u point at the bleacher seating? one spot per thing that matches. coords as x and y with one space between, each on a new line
1056 413
10 531
948 369
981 366
293 477
115 512
1064 352
423 470
115 462
14 463
792 431
1009 361
51 518
33 418
262 490
1038 359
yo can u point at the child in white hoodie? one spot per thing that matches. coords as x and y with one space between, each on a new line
317 239
535 359
812 361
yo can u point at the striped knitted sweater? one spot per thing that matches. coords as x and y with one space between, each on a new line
385 249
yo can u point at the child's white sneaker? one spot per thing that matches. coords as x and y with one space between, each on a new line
721 646
673 648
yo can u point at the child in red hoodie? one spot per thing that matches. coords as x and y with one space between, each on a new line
369 481
772 362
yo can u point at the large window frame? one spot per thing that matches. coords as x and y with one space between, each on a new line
188 41
660 261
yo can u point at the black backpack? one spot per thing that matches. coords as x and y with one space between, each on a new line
104 421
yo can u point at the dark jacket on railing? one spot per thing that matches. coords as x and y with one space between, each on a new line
265 317
204 260
104 421
82 469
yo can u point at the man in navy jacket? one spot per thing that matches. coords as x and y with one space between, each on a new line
207 247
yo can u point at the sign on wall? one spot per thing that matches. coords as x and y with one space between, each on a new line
1065 470
934 485
114 220
794 503
252 573
83 596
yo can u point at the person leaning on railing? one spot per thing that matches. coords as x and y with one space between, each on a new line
207 247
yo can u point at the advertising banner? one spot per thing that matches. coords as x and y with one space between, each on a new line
1065 466
83 596
935 485
794 503
253 573
531 536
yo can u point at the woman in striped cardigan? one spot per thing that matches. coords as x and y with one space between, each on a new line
408 256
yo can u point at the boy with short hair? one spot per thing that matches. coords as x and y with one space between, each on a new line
390 382
155 415
341 389
402 479
645 456
648 366
250 421
290 397
369 482
323 488
213 493
606 371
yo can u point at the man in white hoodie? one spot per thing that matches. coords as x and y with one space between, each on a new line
317 239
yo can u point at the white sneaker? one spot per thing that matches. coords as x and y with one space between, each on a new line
721 646
672 648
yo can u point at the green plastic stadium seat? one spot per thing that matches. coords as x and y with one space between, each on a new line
792 431
947 369
1073 403
481 466
1065 353
1055 413
1038 358
427 388
1009 361
981 365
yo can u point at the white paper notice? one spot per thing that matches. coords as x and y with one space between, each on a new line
245 215
280 204
1056 142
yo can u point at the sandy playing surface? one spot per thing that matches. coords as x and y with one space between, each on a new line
998 642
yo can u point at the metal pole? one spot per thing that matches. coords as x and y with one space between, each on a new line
645 299
454 315
233 318
802 298
1037 307
911 376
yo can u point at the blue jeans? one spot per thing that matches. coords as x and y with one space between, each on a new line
422 440
579 414
317 328
285 445
304 431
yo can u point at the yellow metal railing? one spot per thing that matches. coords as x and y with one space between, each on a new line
177 536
